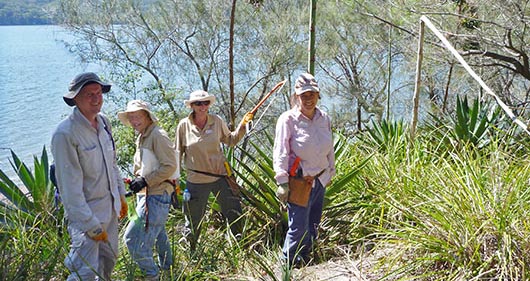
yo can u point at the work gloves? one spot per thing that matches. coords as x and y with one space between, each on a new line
247 118
283 192
98 234
137 184
124 208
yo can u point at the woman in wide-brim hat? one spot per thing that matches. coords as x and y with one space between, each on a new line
135 106
154 168
198 144
199 96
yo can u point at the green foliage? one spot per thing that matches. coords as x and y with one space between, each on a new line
32 246
32 250
387 135
412 213
125 146
35 200
458 217
471 125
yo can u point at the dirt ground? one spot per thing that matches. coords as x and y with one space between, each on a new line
340 270
344 268
333 270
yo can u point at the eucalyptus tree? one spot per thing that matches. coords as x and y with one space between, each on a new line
266 48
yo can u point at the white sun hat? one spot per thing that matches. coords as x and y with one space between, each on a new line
199 95
133 106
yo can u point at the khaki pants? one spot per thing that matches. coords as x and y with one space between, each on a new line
89 259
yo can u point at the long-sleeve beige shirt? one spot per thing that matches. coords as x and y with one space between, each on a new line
155 160
201 149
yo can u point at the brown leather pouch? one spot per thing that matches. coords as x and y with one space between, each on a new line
234 186
299 191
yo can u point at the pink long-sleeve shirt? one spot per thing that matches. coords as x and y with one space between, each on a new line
309 139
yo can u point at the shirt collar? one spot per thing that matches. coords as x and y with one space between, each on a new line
81 118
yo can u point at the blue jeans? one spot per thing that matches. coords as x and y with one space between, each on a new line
141 241
303 226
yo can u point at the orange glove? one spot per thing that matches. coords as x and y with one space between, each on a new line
124 208
247 118
99 234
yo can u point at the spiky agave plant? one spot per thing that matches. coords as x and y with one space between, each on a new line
386 135
31 223
469 127
34 200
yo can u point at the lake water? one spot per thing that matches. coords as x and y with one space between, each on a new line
35 70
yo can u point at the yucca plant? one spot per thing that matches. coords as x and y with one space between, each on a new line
470 126
34 198
386 135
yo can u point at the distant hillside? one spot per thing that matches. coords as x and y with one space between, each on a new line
25 12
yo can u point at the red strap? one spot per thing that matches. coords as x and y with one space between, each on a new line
292 171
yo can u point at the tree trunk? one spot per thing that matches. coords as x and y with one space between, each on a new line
231 65
311 63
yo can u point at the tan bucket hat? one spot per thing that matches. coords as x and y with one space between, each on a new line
133 106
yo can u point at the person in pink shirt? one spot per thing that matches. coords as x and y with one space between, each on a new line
304 134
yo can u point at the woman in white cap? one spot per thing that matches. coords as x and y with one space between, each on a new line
304 140
154 167
198 144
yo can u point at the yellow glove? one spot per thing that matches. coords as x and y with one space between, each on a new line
124 208
99 234
283 192
174 195
247 118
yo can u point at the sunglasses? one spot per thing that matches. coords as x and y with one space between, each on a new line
199 103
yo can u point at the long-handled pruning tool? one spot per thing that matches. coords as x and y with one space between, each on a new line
260 103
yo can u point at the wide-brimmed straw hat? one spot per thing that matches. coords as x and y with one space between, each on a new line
306 83
133 106
199 95
79 82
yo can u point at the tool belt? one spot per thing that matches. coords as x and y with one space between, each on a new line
300 189
231 180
